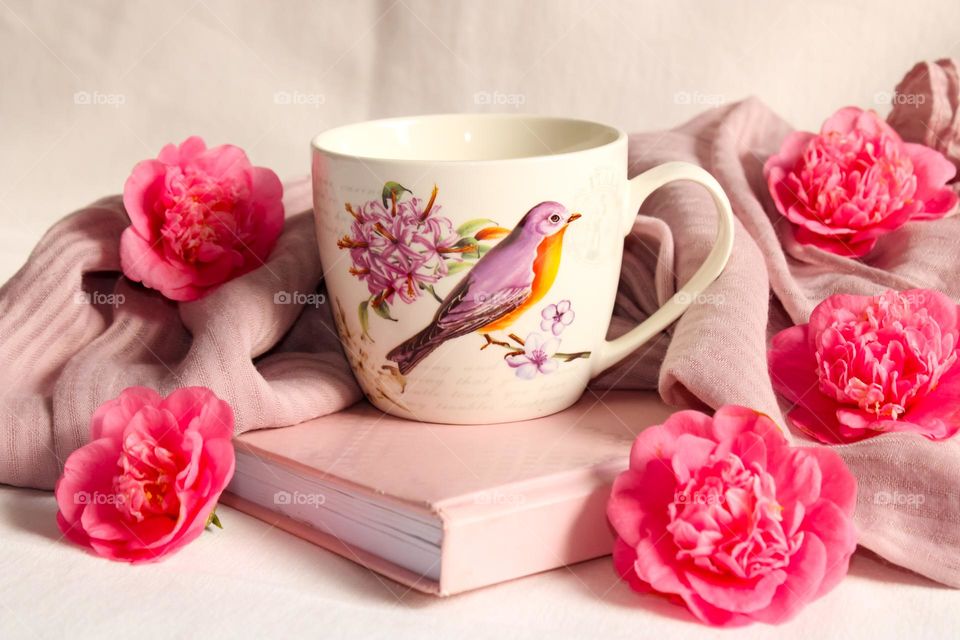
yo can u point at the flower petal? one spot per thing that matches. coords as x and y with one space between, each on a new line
532 343
660 442
141 189
736 596
527 371
807 568
113 416
624 558
549 366
835 529
639 499
201 409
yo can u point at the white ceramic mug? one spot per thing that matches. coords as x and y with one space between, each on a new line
473 260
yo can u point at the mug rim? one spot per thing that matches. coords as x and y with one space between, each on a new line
319 144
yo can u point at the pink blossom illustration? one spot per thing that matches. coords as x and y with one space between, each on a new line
536 357
556 317
539 354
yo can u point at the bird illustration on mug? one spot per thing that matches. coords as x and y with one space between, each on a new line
506 282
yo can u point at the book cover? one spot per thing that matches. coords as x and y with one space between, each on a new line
446 508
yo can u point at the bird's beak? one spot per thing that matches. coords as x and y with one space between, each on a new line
573 216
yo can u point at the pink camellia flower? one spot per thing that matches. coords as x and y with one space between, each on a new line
866 365
724 515
855 181
150 477
200 217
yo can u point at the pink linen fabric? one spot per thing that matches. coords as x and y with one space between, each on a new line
927 110
276 366
62 357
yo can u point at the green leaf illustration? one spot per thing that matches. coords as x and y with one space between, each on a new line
433 292
482 249
470 227
382 309
570 357
457 267
394 189
364 315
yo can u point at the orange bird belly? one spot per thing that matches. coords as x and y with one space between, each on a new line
545 267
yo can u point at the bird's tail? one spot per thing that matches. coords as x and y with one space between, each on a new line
409 353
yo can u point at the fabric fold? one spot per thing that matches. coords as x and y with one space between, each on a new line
73 334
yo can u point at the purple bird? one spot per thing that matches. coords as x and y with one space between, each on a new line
505 282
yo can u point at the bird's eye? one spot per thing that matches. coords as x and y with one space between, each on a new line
554 218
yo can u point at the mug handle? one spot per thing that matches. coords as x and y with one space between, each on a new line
641 186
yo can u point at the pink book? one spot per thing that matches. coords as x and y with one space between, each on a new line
446 508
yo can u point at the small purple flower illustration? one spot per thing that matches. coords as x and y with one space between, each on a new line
556 317
537 357
400 247
397 248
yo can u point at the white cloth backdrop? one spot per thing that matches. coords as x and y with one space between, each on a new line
89 88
